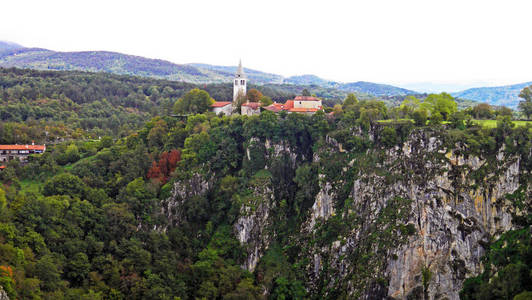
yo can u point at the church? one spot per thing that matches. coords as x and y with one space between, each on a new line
301 104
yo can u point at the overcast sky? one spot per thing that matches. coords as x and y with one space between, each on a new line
440 43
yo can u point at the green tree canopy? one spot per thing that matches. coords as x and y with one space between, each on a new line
442 104
526 105
265 101
351 99
64 184
409 105
193 102
482 111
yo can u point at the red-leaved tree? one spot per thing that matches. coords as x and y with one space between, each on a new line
161 170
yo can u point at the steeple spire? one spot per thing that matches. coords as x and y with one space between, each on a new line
240 70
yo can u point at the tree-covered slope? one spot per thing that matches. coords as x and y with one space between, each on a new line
374 88
507 95
103 61
274 206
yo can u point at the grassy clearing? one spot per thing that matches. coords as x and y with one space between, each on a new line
29 185
395 120
493 123
484 123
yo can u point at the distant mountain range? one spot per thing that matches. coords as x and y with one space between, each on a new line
8 46
14 55
507 95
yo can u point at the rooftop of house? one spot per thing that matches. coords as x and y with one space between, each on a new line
23 147
275 107
289 106
303 109
220 103
306 98
252 105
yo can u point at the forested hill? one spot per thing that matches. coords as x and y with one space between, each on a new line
370 88
507 95
13 55
48 105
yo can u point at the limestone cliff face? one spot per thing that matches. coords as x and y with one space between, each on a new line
453 216
252 227
3 294
182 191
408 222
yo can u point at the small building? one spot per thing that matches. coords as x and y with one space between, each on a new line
250 108
20 152
301 104
308 102
224 107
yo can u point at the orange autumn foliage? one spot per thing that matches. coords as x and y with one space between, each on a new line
161 170
6 271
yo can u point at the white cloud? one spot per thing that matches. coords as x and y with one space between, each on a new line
398 42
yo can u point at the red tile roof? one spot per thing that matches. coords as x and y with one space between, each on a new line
275 107
306 98
220 104
302 109
2 167
289 104
23 147
253 105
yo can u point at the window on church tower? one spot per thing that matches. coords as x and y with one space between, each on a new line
242 82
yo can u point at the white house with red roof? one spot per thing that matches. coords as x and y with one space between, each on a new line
250 108
224 107
300 104
20 152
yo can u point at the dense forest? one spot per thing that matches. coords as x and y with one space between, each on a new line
156 208
47 106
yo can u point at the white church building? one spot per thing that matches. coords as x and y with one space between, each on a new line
300 104
239 91
239 83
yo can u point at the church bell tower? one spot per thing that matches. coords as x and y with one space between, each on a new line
239 83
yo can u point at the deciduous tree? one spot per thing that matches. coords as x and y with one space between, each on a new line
526 105
193 102
254 95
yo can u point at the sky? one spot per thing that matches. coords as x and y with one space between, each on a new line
427 45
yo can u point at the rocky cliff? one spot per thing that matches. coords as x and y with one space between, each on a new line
403 222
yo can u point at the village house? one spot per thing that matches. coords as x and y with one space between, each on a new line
300 104
224 107
250 108
20 152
